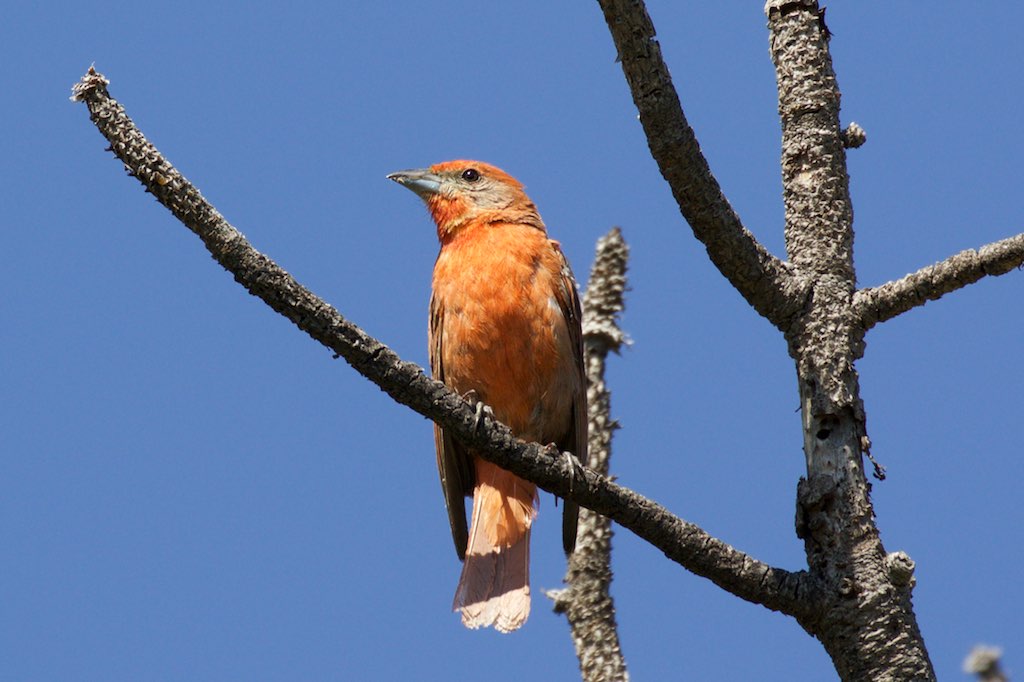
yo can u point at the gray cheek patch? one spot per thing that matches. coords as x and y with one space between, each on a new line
491 197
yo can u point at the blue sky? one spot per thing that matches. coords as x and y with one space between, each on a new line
192 489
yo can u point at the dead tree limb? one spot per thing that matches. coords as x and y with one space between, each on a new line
587 601
878 304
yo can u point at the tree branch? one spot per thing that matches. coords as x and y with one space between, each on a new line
930 283
686 544
587 601
761 278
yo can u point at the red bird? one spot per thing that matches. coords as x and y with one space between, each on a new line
504 329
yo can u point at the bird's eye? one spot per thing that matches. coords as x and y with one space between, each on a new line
471 175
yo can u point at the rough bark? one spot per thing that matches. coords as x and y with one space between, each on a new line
587 601
868 625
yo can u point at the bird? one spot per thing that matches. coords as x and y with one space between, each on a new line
505 332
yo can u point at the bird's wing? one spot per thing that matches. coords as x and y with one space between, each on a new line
453 461
575 440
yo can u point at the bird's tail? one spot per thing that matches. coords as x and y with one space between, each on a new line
494 588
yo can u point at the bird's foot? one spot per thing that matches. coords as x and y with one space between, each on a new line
573 464
482 410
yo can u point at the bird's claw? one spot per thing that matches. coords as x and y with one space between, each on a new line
481 410
574 464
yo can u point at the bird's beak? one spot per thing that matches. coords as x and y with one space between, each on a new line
421 181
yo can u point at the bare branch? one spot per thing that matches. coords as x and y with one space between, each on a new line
587 602
878 304
761 278
405 382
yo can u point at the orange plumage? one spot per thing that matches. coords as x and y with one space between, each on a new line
504 325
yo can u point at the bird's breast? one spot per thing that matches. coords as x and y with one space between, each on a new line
504 334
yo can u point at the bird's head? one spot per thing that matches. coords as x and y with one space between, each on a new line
459 193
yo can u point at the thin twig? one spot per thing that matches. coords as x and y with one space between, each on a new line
930 283
587 601
406 383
